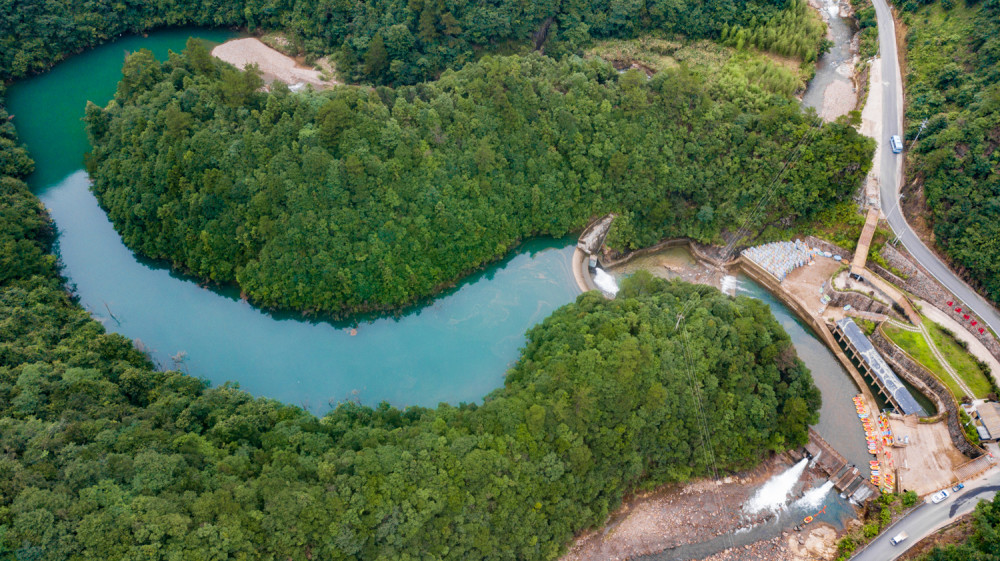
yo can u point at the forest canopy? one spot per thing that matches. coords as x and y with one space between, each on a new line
374 42
953 113
356 199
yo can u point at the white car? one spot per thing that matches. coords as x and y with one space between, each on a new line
942 495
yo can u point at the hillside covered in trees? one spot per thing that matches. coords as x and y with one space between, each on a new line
356 199
953 82
105 458
380 42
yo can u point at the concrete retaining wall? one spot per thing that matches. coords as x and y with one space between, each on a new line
758 274
860 302
928 384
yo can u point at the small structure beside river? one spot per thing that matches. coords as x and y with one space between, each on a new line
874 366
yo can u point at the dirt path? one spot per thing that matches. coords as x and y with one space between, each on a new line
273 65
927 464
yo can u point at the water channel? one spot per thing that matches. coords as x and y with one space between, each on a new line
835 68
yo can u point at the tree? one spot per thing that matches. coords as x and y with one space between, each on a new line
376 58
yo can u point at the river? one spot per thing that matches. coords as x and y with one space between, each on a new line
831 91
455 348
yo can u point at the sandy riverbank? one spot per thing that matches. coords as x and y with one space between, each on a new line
273 65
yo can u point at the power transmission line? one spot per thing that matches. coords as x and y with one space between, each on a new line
762 201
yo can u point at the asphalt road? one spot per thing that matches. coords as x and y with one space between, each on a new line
929 517
890 175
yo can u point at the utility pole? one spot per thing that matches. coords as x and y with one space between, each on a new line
922 125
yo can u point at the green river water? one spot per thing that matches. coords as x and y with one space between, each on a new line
455 348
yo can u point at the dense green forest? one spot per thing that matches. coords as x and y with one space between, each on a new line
357 199
796 32
105 458
983 544
101 457
380 42
953 82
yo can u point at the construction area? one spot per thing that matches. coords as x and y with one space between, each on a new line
815 282
929 460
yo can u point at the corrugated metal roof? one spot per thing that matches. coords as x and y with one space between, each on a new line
890 382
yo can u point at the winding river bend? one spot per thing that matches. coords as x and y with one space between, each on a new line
453 349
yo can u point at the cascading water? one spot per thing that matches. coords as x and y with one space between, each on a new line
730 285
814 497
605 282
773 495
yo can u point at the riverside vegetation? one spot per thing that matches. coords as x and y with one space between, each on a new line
953 82
394 43
105 458
355 199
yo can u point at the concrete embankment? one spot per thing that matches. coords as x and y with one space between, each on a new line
581 271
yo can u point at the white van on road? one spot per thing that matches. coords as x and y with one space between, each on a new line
896 144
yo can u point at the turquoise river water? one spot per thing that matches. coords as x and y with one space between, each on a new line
455 348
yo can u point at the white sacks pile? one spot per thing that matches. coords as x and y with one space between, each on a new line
781 258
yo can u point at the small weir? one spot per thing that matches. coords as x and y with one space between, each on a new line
844 476
775 501
773 495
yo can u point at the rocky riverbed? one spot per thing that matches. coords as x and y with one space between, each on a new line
679 515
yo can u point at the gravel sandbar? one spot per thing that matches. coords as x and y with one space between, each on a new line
273 65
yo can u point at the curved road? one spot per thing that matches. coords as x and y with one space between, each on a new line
929 517
891 177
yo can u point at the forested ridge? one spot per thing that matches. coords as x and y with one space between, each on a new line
380 42
102 457
953 83
356 199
